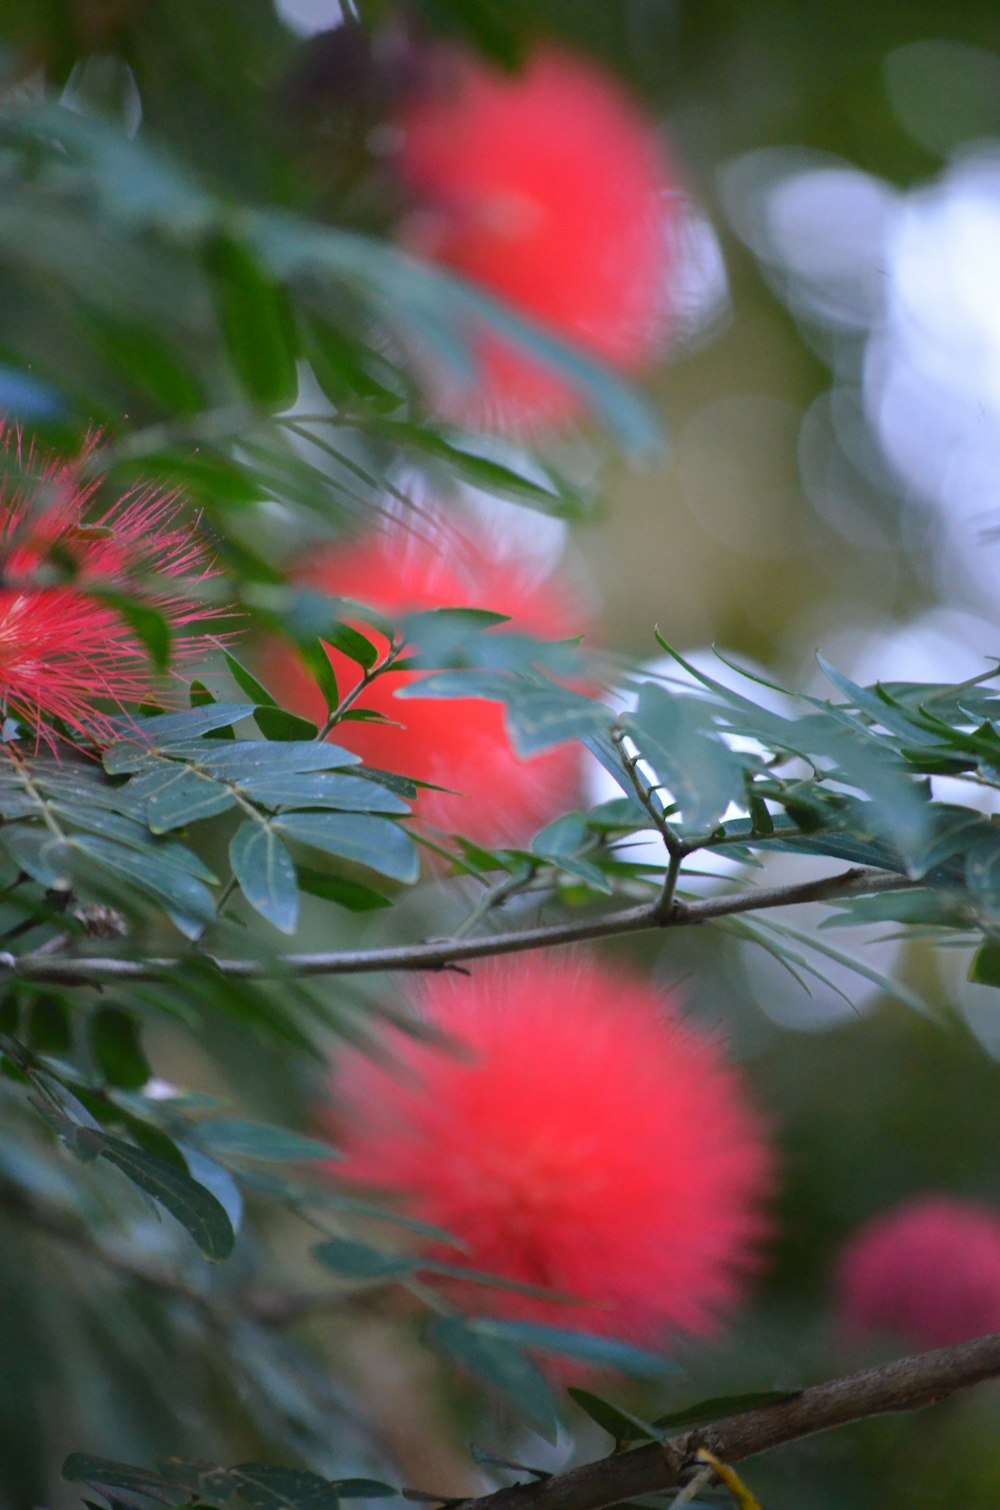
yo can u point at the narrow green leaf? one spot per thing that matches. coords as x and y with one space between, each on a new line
142 738
353 895
689 757
364 1489
723 1405
82 1468
256 322
249 758
116 1047
248 683
266 873
354 1260
167 883
262 1486
226 1137
50 1028
324 790
499 1366
615 1419
377 843
216 1179
985 966
176 796
606 1351
193 1206
352 643
149 624
279 723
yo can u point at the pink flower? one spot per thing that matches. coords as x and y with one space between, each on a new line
550 190
64 650
583 1137
929 1272
495 797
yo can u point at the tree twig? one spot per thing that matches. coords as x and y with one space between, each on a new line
440 954
905 1384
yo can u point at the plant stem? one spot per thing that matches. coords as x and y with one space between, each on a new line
440 954
905 1384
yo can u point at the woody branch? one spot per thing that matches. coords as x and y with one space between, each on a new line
905 1384
441 954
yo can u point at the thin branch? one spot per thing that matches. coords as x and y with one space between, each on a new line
905 1384
440 954
368 675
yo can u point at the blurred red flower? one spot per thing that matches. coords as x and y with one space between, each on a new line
495 797
551 190
65 650
928 1272
584 1137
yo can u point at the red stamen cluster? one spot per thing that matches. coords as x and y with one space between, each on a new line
582 1137
549 189
66 653
927 1273
495 797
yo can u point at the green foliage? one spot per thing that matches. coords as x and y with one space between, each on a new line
184 287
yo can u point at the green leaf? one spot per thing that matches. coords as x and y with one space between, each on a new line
615 1419
324 790
262 1486
321 669
146 359
216 1179
143 738
266 873
377 843
116 1047
721 1406
279 723
540 714
176 795
689 757
985 966
44 856
82 1468
226 1137
50 1027
491 1460
499 1366
352 643
346 892
607 1352
150 626
364 1489
343 368
256 322
354 1260
248 683
193 1206
183 893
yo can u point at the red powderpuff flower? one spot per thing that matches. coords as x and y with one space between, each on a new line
63 650
929 1272
585 1138
551 190
495 797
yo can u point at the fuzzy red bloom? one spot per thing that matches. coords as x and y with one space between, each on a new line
495 797
64 651
551 190
929 1272
587 1139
